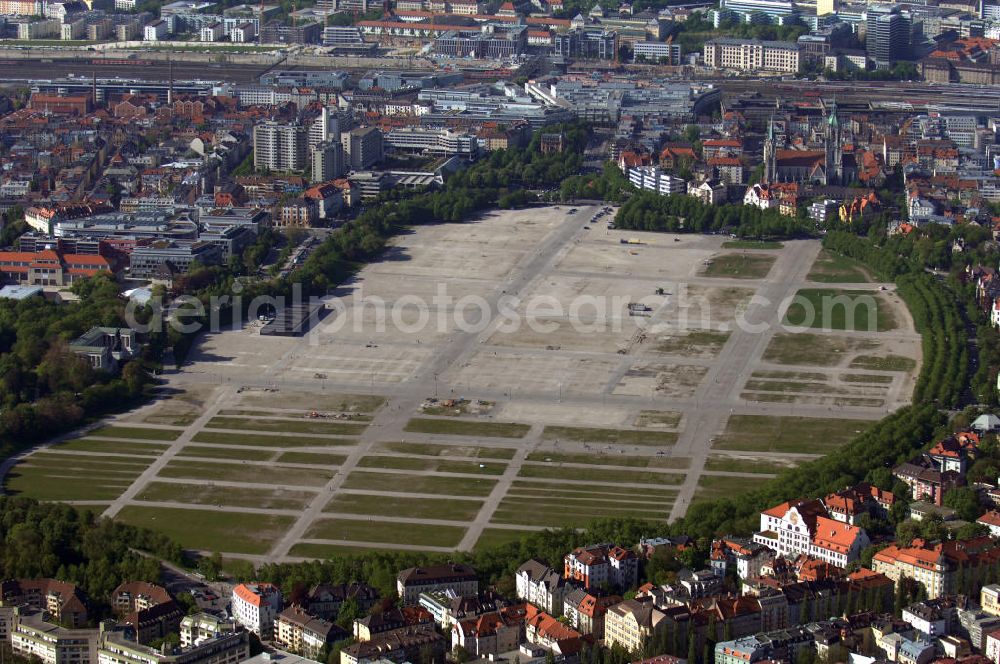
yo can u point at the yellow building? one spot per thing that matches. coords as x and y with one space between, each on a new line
631 623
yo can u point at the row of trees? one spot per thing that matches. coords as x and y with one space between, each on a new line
648 211
944 339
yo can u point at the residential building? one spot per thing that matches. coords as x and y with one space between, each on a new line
362 147
709 192
752 55
585 612
256 606
989 599
992 522
32 636
59 599
447 608
458 578
327 161
653 179
545 631
213 33
146 607
298 632
491 633
602 566
326 599
539 584
279 147
201 627
158 30
398 647
936 565
632 622
227 648
393 621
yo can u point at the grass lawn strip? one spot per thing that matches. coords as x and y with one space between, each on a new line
712 487
113 462
739 266
434 485
227 532
834 309
543 491
229 453
309 401
390 532
291 426
618 436
140 433
866 378
466 428
201 494
822 350
114 447
446 509
599 475
887 363
231 472
836 269
611 460
493 537
740 465
433 449
276 441
761 433
433 465
43 487
590 489
312 458
325 551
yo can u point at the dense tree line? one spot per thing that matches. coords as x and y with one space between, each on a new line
54 540
648 211
45 388
943 337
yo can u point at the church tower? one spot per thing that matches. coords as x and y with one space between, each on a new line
770 160
834 148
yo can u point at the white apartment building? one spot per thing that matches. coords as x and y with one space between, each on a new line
255 606
156 31
752 55
653 179
539 584
279 147
213 33
31 637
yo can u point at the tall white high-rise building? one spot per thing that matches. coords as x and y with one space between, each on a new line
325 127
279 147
